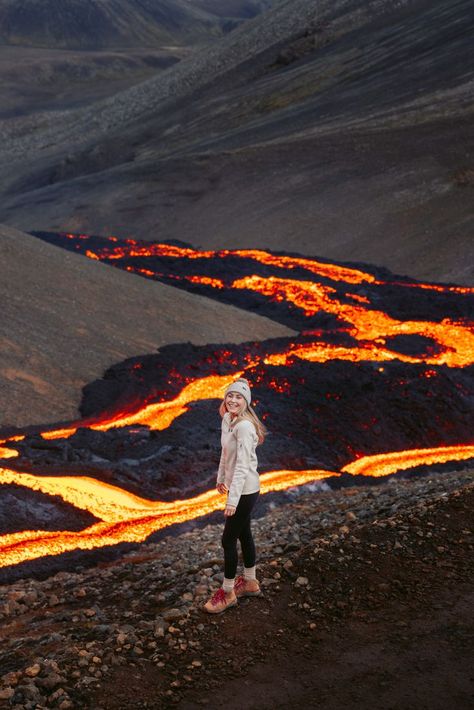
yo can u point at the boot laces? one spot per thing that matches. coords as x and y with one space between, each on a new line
218 597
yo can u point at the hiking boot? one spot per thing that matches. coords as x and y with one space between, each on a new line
246 587
219 602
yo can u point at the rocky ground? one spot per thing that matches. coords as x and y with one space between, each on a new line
366 601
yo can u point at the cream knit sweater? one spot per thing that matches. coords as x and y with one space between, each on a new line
238 464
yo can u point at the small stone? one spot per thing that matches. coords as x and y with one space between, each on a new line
302 581
50 681
350 515
33 670
11 678
6 693
196 663
173 614
288 564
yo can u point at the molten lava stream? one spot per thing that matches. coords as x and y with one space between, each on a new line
126 517
368 326
159 415
331 271
5 451
335 272
387 463
129 518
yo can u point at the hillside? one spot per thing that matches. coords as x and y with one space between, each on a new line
66 319
93 24
62 55
342 128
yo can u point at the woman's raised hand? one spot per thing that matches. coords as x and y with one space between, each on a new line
222 488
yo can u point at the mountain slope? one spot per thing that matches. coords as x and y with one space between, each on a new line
90 24
66 318
342 128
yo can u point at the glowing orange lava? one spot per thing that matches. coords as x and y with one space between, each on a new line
384 464
160 414
5 451
369 327
129 518
334 272
126 517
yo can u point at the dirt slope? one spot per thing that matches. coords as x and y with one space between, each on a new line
65 319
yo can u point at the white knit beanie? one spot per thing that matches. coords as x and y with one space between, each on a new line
242 387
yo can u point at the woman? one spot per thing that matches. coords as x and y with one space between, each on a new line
237 476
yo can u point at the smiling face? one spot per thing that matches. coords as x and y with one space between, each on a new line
235 403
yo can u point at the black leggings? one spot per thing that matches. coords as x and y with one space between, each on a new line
237 527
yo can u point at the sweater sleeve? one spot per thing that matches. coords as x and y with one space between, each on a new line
221 470
245 441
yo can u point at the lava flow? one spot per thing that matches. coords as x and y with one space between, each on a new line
129 518
302 290
378 380
158 415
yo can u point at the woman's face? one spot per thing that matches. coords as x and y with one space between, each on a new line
235 402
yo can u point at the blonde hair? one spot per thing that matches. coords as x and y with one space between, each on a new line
248 413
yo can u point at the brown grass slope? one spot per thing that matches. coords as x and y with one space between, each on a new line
337 129
65 319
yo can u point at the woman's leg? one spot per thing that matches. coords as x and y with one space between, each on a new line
235 526
248 545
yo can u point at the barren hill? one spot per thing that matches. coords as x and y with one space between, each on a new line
343 129
91 24
65 319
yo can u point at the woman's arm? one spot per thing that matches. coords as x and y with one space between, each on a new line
221 469
245 441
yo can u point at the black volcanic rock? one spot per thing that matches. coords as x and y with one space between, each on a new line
319 415
24 509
